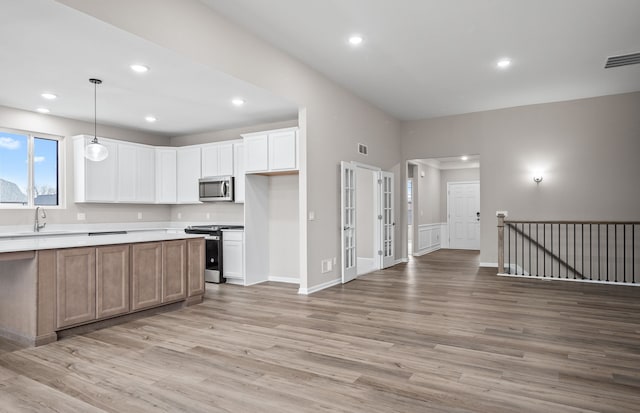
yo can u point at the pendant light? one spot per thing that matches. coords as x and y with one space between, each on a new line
95 151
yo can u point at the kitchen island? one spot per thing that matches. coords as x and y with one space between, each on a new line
53 285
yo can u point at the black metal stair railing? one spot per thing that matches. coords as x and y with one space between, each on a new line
578 250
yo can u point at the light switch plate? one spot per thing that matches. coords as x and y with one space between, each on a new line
81 216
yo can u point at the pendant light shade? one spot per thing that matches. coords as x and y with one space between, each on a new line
95 151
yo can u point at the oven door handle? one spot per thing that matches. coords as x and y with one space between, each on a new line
225 189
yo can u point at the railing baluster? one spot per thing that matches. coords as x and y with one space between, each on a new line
509 246
599 254
552 250
624 251
575 252
633 253
523 249
530 269
615 252
515 246
590 254
607 252
544 250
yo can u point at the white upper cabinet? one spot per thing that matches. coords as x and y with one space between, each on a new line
256 153
238 172
136 174
282 151
217 159
166 175
188 167
95 181
271 151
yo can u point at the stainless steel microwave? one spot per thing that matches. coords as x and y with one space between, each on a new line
216 189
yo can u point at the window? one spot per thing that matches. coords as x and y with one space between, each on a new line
29 169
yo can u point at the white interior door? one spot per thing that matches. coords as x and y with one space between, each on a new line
388 219
463 203
348 212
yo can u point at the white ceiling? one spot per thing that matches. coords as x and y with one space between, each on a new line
46 46
428 58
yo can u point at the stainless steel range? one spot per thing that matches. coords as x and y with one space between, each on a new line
214 271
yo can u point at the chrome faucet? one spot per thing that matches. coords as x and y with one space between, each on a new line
36 225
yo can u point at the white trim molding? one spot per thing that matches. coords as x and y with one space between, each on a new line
316 288
290 280
401 261
489 264
429 236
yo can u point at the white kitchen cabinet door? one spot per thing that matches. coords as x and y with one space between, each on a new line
282 151
127 173
238 173
217 160
210 160
95 181
145 175
166 175
256 154
188 167
225 159
136 174
233 255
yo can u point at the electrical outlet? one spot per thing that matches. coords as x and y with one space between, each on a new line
139 215
208 215
335 261
312 215
325 266
81 216
179 215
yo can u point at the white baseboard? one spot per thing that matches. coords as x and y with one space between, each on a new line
234 281
290 280
489 264
316 288
426 251
400 261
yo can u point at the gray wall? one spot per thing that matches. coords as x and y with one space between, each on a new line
587 148
284 238
95 213
428 200
332 120
455 175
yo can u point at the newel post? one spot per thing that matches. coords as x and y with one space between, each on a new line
501 216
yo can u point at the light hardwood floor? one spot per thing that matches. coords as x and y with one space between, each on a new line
434 335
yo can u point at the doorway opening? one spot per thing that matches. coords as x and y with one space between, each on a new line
443 204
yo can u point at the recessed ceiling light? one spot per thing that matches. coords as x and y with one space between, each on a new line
504 63
238 101
150 119
355 40
139 68
43 110
464 158
48 95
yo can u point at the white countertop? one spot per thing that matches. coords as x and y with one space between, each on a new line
71 241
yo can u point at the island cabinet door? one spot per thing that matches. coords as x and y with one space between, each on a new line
75 286
174 270
112 280
195 266
146 275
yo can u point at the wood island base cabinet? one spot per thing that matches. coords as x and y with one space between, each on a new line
79 286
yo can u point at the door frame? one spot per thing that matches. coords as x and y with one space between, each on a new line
449 184
377 223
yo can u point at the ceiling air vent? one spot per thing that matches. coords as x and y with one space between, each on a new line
362 149
623 60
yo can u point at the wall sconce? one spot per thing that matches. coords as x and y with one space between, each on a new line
537 177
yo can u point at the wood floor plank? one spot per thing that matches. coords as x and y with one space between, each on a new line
438 334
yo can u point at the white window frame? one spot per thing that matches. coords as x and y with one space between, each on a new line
30 187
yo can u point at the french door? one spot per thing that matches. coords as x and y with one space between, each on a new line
348 228
385 228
